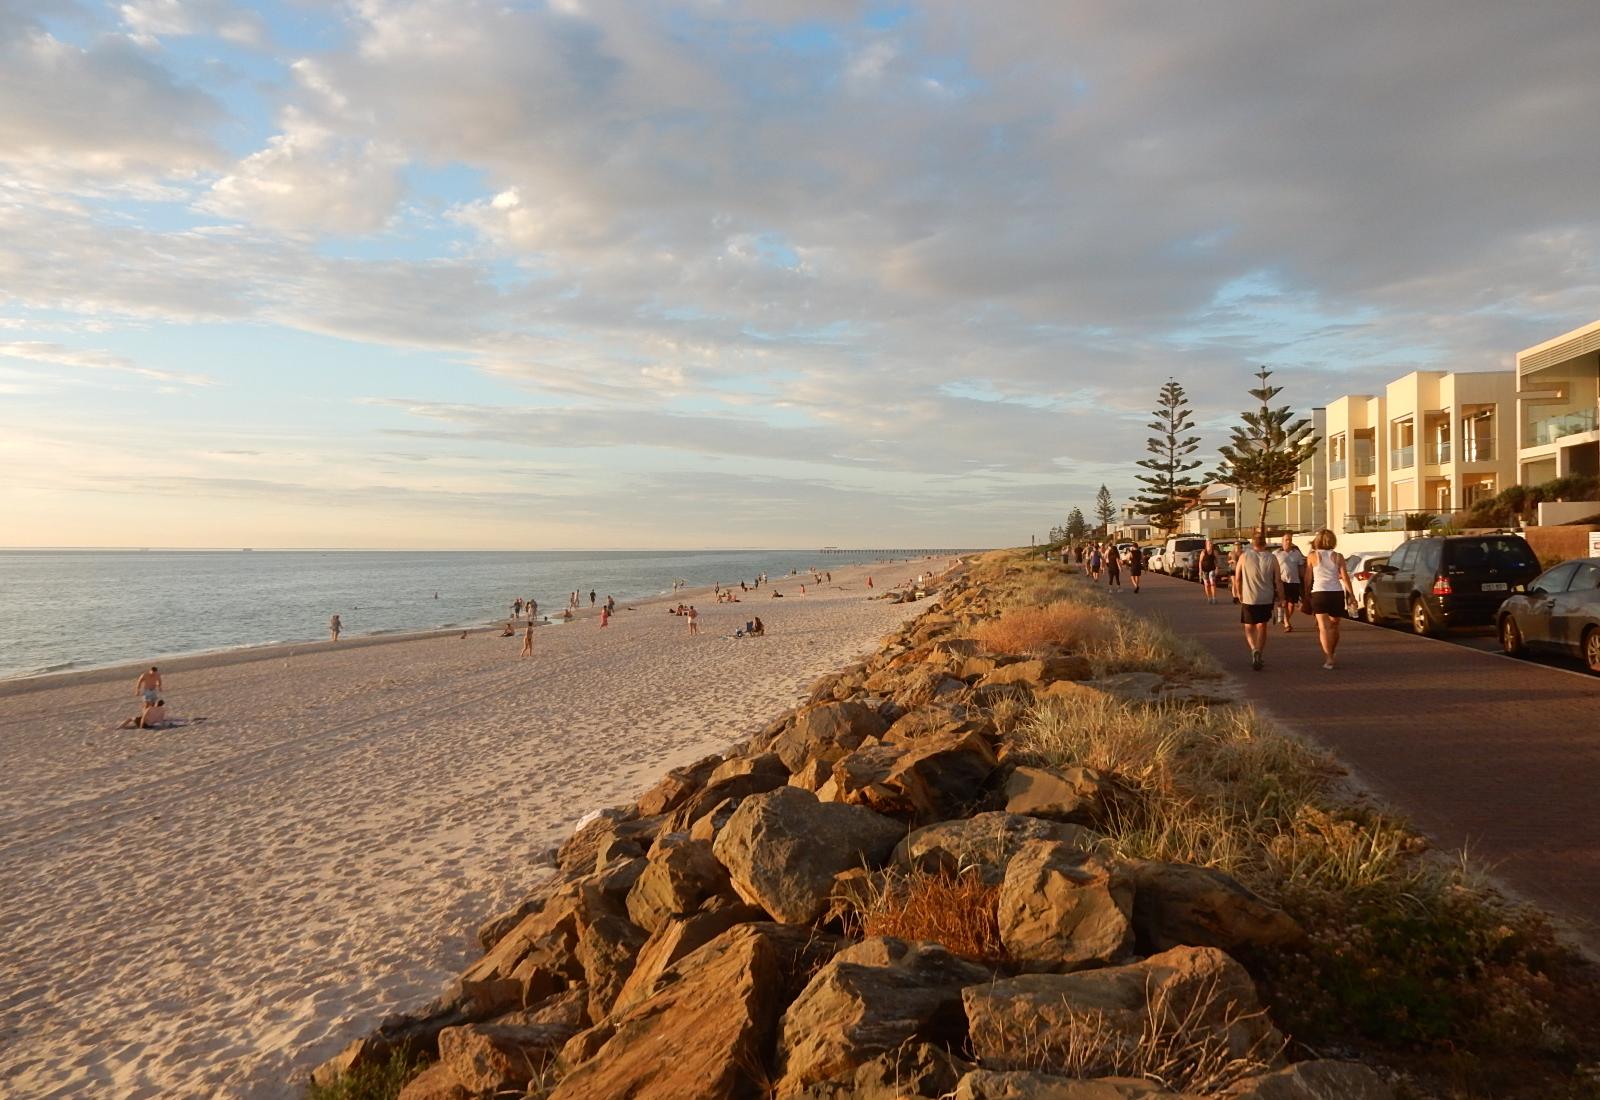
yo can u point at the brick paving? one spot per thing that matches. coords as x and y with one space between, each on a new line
1499 755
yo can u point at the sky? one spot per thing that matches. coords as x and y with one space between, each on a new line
451 274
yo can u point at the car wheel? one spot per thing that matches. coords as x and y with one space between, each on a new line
1370 607
1591 649
1421 624
1510 637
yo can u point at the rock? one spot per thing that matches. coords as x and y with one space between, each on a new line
705 1034
434 1083
1064 909
1176 904
673 940
932 779
827 732
763 763
493 930
1137 687
934 720
735 787
923 684
674 883
677 785
1079 795
985 1084
812 776
570 1007
986 841
1037 672
976 668
586 1044
1069 691
708 826
492 1058
418 1034
1316 1080
1034 1017
782 849
578 852
607 948
871 998
909 1072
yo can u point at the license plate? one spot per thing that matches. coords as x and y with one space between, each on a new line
1495 586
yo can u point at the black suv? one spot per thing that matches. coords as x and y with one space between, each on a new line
1456 580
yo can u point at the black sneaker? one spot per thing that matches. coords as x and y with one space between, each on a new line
1255 659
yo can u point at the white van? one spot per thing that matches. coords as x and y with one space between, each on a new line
1181 556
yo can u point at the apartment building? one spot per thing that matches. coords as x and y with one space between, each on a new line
1433 441
1558 407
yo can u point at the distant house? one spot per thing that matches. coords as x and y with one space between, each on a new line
1133 526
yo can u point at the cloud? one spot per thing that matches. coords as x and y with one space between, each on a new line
37 351
152 19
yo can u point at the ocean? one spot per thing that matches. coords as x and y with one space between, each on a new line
64 610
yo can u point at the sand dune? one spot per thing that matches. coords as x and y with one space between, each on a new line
209 911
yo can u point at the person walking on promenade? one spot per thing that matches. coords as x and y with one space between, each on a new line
527 640
1206 565
1257 585
1291 566
1327 582
1095 562
334 626
148 686
1136 568
694 620
1113 569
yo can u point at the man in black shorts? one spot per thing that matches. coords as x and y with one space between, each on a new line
1258 587
1291 567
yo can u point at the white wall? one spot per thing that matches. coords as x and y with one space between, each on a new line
1552 512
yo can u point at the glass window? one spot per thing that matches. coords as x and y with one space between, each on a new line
1401 560
1429 555
1587 578
1555 580
1509 553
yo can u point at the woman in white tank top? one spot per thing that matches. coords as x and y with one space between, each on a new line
1327 584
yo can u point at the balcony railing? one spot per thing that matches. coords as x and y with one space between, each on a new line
1366 465
1414 521
1552 428
1439 453
1477 450
1401 458
1336 470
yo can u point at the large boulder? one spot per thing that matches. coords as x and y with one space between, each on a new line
764 763
494 1058
1176 904
783 848
678 784
909 1072
985 1084
930 780
985 841
1076 794
735 788
607 948
673 940
1037 672
827 732
434 1083
706 1033
1026 1021
608 834
1064 909
675 880
1316 1080
871 998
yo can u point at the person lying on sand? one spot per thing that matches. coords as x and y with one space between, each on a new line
154 717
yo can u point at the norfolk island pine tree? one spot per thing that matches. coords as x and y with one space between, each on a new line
1264 454
1104 510
1169 490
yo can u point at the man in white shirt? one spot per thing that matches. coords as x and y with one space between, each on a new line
1257 585
1291 569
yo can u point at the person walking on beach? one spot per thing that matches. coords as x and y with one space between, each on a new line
1206 563
611 604
591 597
1291 565
334 626
605 615
694 619
148 686
527 640
1136 568
533 608
1327 581
1257 585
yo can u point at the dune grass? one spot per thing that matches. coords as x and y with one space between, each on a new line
379 1081
958 910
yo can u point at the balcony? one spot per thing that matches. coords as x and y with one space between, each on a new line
1551 428
1336 470
1439 453
1366 465
1477 450
1402 458
1415 521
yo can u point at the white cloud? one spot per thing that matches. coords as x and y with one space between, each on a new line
153 19
38 351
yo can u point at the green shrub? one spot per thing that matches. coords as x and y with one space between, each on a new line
381 1081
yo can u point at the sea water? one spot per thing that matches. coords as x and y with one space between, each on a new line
73 609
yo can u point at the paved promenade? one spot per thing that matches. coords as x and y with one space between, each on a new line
1477 749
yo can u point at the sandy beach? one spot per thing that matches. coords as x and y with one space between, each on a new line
211 910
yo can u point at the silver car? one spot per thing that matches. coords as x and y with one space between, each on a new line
1560 611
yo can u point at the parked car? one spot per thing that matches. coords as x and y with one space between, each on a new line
1227 553
1447 581
1361 568
1560 611
1157 561
1180 555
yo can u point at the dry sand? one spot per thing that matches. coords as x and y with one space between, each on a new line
210 911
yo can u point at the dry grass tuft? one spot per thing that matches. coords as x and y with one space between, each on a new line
1183 1043
957 910
1029 629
